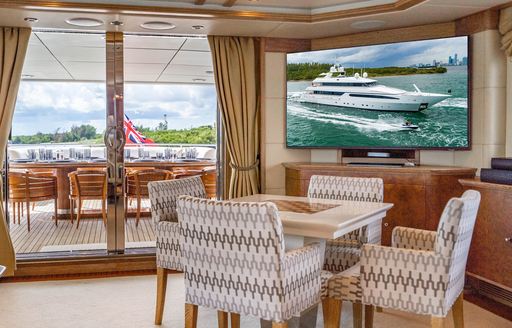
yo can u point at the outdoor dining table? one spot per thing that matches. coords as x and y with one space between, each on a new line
306 220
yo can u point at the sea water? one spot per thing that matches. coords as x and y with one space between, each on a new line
442 125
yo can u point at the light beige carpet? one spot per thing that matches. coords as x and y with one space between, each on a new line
128 302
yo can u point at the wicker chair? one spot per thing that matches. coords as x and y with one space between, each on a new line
163 196
137 186
87 185
235 262
26 187
423 271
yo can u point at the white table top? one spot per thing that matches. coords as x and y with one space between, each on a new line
330 223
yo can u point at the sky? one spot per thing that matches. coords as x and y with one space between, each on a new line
48 106
393 54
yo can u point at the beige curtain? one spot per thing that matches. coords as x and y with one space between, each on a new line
236 70
506 30
13 47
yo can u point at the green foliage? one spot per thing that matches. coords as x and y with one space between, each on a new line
87 134
76 134
201 135
310 71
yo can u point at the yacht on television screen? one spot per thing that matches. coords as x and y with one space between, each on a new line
336 89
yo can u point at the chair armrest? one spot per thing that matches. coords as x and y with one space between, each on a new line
411 238
301 270
404 279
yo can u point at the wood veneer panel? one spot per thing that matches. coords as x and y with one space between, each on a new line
489 255
287 45
431 31
481 21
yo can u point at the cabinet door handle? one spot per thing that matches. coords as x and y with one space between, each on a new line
508 239
386 224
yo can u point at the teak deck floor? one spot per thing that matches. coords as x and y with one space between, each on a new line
44 236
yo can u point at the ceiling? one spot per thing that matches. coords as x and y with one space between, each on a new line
81 57
187 58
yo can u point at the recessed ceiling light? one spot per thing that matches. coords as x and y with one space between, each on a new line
157 26
27 76
117 23
31 19
199 80
198 27
367 24
84 22
209 72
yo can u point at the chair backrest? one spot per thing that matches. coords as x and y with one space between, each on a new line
88 184
164 194
453 239
232 254
346 188
137 181
32 187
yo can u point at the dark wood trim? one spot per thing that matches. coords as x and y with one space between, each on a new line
112 264
481 21
287 45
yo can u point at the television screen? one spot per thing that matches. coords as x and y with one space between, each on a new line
402 95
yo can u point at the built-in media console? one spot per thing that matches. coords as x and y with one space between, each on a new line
384 158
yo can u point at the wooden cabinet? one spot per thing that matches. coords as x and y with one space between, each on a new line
419 194
490 256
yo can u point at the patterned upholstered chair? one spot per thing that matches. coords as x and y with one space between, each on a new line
235 262
163 196
423 272
343 252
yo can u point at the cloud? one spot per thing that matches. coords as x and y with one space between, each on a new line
48 106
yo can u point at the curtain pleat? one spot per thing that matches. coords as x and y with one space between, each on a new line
506 30
236 77
13 47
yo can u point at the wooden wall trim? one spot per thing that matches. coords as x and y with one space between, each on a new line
479 22
287 45
431 31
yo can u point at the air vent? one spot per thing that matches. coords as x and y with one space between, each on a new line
496 293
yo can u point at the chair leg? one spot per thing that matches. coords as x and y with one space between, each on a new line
190 316
331 309
357 314
13 209
279 324
138 212
161 287
368 316
55 211
78 213
437 322
125 208
222 319
72 208
235 320
457 312
28 214
103 212
33 206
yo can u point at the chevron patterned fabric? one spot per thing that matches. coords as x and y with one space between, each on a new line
235 261
344 252
422 281
163 196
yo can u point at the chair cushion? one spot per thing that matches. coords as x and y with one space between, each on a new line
346 285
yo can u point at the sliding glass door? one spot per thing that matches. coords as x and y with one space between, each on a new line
98 117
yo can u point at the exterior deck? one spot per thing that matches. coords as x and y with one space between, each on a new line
44 236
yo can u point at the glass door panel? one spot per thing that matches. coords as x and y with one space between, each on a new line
57 147
170 122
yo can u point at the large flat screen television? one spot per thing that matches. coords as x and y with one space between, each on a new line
407 95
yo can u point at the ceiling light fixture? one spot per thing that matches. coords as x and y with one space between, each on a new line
84 22
209 72
199 80
27 76
117 23
31 19
367 24
198 27
157 26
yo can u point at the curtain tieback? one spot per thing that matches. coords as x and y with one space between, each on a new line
245 168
